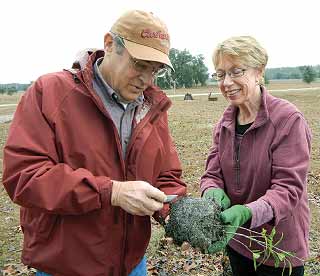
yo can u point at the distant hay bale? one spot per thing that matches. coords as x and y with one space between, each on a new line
188 97
211 97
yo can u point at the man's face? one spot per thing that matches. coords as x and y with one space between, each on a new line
127 76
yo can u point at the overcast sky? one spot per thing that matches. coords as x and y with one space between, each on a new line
41 36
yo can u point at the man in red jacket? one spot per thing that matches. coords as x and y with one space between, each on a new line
89 157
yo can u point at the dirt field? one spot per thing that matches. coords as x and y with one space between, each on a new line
273 85
191 124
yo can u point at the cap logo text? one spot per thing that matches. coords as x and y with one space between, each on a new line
150 34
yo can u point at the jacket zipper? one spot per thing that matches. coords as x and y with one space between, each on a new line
118 141
124 165
148 118
126 217
133 135
122 267
120 132
123 159
238 165
115 131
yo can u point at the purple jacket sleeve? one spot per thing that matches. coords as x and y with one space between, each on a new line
290 162
261 212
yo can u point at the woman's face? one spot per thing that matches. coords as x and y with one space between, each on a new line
237 83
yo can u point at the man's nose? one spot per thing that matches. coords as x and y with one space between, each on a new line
147 78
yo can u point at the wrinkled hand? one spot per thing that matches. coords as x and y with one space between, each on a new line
219 196
232 218
137 197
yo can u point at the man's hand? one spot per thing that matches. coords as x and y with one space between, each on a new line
137 197
232 218
219 196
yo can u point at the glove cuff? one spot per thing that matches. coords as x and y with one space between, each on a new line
116 186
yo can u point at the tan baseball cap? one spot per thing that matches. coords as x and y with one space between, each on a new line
145 36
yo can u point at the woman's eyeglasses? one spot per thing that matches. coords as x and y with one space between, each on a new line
233 73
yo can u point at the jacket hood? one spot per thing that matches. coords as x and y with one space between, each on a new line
82 58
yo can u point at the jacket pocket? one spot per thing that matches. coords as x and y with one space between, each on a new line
36 226
46 224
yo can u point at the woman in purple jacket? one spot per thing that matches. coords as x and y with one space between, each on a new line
258 163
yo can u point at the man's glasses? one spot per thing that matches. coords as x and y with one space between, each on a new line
233 73
143 66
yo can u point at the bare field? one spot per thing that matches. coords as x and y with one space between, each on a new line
191 124
273 85
10 99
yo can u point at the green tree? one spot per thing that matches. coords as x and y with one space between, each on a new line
189 70
11 90
308 73
183 69
201 74
165 82
295 75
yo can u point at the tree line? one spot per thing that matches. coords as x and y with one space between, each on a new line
191 71
10 88
307 73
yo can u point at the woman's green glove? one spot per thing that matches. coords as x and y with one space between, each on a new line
219 196
232 218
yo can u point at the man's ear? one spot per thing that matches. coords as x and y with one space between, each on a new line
108 42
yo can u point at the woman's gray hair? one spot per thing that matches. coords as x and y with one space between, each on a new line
245 49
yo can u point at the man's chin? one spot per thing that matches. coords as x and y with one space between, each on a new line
131 96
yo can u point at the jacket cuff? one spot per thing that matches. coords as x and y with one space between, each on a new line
262 212
105 189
